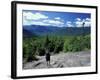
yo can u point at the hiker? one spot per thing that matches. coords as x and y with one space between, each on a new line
47 56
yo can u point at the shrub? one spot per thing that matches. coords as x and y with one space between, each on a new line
77 43
37 45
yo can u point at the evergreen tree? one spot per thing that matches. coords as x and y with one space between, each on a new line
46 42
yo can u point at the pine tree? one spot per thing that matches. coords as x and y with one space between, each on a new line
46 42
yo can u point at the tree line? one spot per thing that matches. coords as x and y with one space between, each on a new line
55 44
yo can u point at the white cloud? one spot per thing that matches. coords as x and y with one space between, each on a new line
69 24
87 22
34 16
40 23
57 18
53 22
88 19
25 22
30 18
44 22
78 19
79 22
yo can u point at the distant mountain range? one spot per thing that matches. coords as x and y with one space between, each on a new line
37 30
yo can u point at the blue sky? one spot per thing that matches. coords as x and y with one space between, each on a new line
59 19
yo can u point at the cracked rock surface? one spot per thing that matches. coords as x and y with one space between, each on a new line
61 60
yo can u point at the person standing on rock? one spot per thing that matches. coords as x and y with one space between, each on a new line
47 56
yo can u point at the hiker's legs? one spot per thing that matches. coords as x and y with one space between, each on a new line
49 63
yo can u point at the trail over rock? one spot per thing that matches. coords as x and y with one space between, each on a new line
61 60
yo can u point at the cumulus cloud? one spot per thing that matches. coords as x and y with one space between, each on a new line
54 22
79 22
25 22
87 22
78 19
69 24
30 18
38 18
57 18
88 19
40 23
34 16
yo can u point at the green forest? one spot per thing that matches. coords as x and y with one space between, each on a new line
37 45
